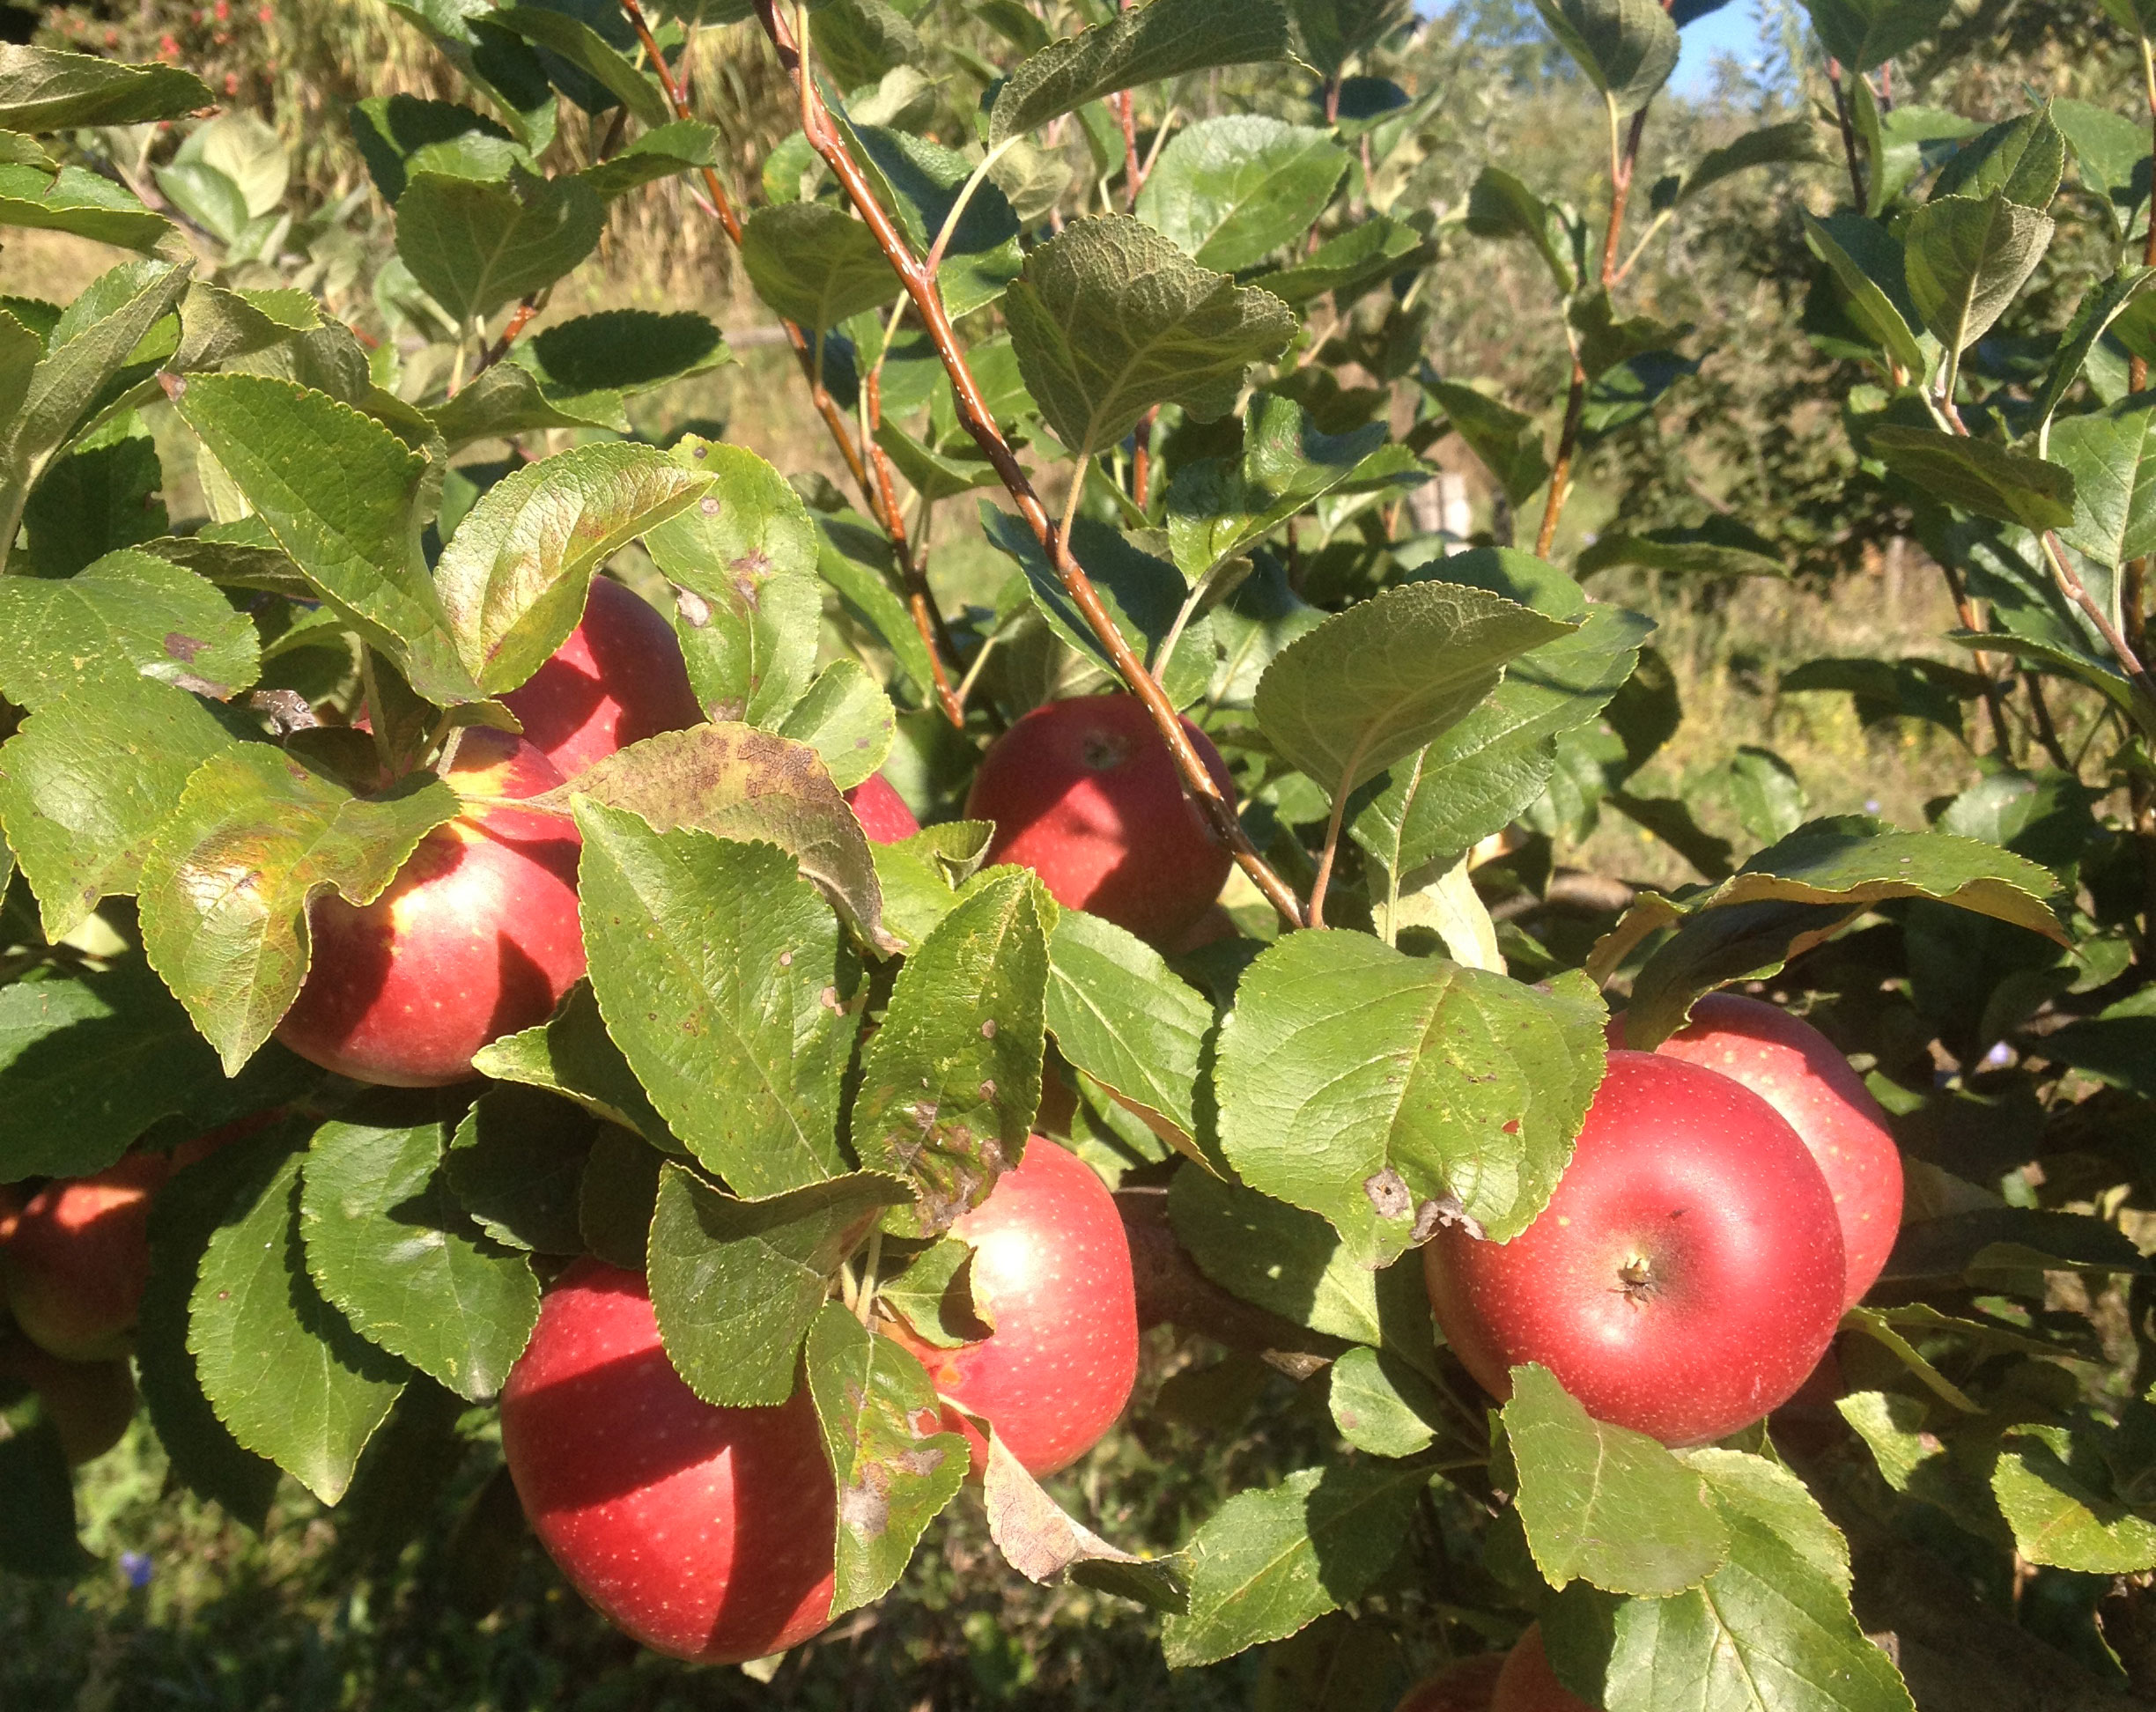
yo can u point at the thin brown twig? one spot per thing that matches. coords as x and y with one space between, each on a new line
868 467
526 308
2047 733
928 301
1561 472
1621 193
1965 609
1849 132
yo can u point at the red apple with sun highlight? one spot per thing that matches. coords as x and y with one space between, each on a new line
77 1257
1801 1074
706 1533
1052 1273
1527 1683
1685 1278
476 937
882 811
619 678
1086 794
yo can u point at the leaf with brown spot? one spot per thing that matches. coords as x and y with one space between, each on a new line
944 1102
895 1470
1041 1542
736 782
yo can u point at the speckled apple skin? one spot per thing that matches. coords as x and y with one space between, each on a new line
476 937
1466 1687
705 1534
1801 1074
618 679
1052 1269
77 1259
882 811
1527 1684
1699 1178
1086 794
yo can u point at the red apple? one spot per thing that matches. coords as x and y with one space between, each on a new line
1086 794
476 937
882 811
1052 1273
702 1532
618 678
1801 1073
89 1403
1527 1684
1466 1687
77 1258
1685 1278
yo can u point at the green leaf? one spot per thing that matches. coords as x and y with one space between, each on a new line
1606 341
76 201
235 954
722 974
1491 766
1499 205
184 1214
285 1371
515 577
814 264
940 472
618 1196
2056 1519
1217 509
1110 319
1383 1406
397 134
571 1054
129 615
1145 45
845 719
1267 1562
894 1478
920 874
1769 1630
1865 34
2102 305
1121 1015
1799 891
89 1062
103 496
952 1081
54 388
516 1164
1295 1264
37 1530
389 1245
584 47
1373 684
1793 142
1385 1091
934 1295
1605 1504
2108 149
736 1283
88 781
1627 47
1967 258
668 150
919 182
1978 475
1507 441
1351 262
746 554
577 373
1714 550
862 42
43 89
2022 159
507 70
736 782
1231 190
475 245
340 494
2108 454
1869 264
1042 1543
